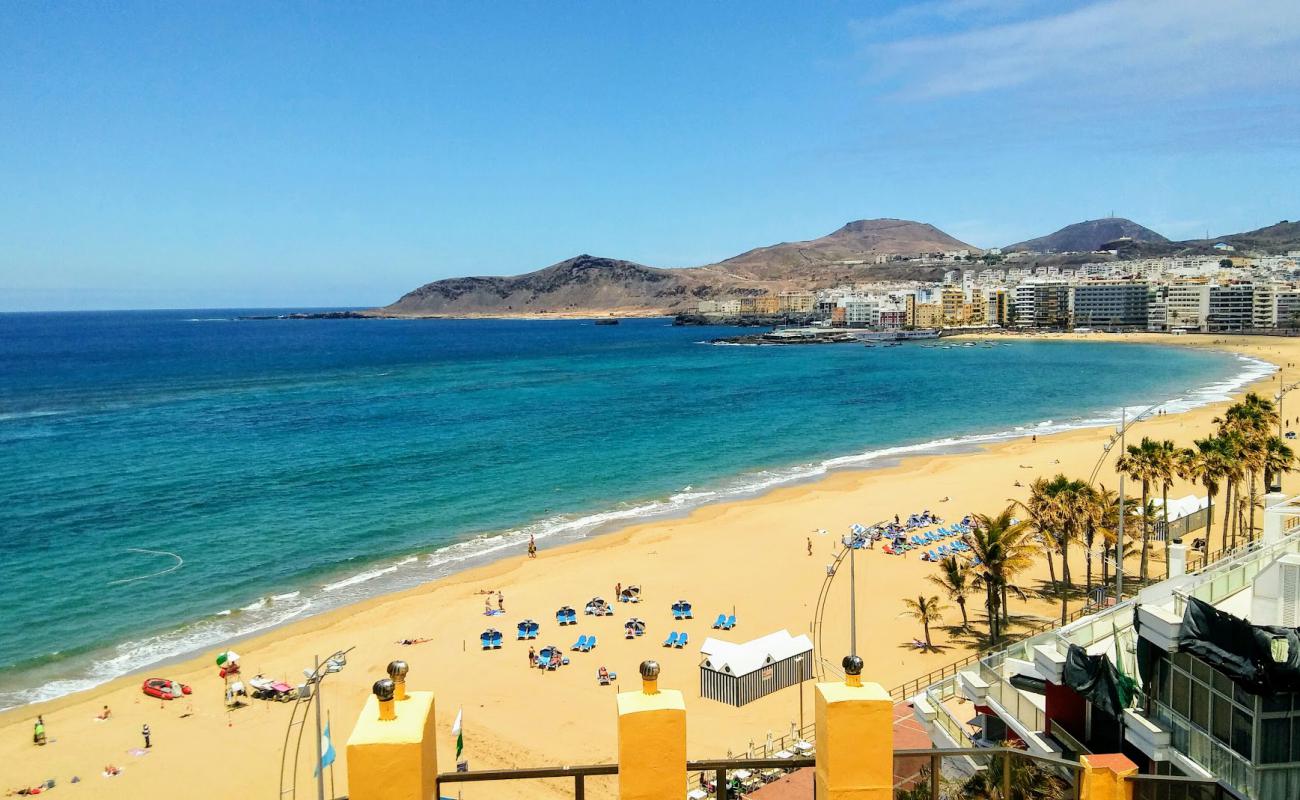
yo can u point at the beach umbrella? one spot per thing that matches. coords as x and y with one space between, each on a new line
227 657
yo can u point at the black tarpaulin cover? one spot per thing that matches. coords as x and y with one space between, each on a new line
1262 659
1096 679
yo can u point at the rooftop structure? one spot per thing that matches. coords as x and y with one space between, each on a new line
1176 678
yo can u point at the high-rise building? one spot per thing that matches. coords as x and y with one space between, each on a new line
1109 304
1042 303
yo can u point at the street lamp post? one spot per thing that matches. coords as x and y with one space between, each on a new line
798 663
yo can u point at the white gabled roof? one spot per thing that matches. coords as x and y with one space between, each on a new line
743 658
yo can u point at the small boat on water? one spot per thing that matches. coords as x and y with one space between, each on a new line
607 322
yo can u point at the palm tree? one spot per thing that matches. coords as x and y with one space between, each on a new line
1142 464
1003 548
1061 505
953 579
1167 468
1203 463
1251 420
1278 458
1232 443
925 610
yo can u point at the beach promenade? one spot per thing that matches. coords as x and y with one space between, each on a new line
748 558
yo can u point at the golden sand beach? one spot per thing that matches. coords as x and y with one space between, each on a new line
748 555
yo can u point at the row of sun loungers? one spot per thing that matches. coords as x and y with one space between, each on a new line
944 551
584 644
724 622
491 639
676 639
566 616
527 629
682 610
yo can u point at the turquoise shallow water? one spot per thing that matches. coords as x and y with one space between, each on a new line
294 466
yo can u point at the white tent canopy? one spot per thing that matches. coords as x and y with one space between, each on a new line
745 657
1184 506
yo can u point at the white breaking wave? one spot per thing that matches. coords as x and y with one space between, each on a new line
223 627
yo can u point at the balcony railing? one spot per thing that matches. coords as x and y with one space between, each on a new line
1176 787
998 768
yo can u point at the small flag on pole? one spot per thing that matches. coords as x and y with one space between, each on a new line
455 729
327 751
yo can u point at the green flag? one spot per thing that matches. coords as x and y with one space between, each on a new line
460 737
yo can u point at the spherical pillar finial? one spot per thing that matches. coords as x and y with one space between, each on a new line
650 676
852 670
397 672
384 690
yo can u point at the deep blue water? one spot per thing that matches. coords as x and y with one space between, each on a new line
298 465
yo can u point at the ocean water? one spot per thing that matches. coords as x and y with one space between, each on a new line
171 480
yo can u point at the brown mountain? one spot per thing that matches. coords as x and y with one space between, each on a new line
581 283
592 284
862 240
1088 236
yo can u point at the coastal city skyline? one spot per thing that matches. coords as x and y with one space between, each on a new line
296 158
683 401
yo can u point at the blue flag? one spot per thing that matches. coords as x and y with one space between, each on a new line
326 750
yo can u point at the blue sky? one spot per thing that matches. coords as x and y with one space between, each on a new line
314 154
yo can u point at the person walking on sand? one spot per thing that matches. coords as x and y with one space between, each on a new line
501 602
809 545
144 731
532 546
532 657
618 590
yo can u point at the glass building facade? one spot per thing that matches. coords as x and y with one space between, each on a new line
1250 742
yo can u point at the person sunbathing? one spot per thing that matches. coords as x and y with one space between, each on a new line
413 641
110 770
105 714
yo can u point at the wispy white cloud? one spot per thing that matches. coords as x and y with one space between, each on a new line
1113 48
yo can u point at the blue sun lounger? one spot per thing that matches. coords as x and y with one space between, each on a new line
731 623
486 640
544 661
681 641
532 630
671 641
496 640
591 644
581 644
720 622
522 629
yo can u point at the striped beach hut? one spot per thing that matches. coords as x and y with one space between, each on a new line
739 673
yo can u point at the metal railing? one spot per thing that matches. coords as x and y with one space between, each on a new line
720 768
784 743
1176 787
998 763
913 687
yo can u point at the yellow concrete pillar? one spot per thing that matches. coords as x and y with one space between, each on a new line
855 738
392 752
651 740
1103 777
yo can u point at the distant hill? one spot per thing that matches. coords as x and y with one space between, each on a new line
588 283
1274 239
861 240
1087 236
580 283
